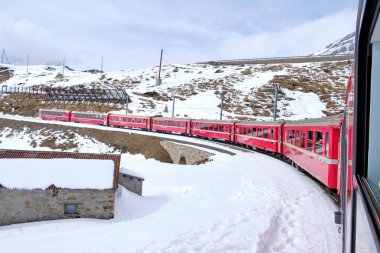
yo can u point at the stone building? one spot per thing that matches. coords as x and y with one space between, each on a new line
36 186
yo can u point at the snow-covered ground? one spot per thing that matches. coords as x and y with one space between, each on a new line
244 203
248 202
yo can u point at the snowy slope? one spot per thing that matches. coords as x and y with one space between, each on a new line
343 46
198 87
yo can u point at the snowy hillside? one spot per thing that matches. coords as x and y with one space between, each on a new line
307 89
343 46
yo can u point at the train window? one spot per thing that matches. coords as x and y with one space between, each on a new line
170 123
155 122
327 144
165 123
272 133
210 127
215 127
303 138
297 138
254 131
318 142
265 131
310 140
125 119
259 132
249 131
373 171
220 128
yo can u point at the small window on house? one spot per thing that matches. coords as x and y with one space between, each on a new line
70 208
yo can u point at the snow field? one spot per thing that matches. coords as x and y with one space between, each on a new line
243 203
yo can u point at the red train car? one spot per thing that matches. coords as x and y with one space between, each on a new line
266 135
171 125
55 115
314 146
129 121
214 129
90 118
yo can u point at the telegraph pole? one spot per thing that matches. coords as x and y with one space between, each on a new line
27 65
4 55
158 82
221 105
126 106
276 88
173 104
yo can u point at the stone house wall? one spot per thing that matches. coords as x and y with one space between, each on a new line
18 206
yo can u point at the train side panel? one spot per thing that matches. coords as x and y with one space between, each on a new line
212 129
129 121
171 125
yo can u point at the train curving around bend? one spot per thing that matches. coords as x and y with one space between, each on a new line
342 152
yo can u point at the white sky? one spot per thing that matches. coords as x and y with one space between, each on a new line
130 34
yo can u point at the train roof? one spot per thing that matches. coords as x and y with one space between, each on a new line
214 121
168 118
129 115
54 110
261 123
97 113
325 121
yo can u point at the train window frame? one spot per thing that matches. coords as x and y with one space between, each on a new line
318 143
303 139
272 134
310 140
259 132
254 132
327 147
265 133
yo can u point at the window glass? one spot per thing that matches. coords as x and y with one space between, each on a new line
244 131
249 131
373 176
297 138
318 142
215 127
165 123
310 140
70 208
210 127
327 144
220 128
272 133
254 131
265 131
259 132
303 139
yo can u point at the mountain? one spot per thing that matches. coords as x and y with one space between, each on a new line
343 46
307 90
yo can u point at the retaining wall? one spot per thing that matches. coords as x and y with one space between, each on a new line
181 154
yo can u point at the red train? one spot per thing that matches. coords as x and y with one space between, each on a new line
311 144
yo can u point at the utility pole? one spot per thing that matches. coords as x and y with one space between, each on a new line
221 105
158 82
126 106
276 88
173 96
63 67
4 55
27 65
101 65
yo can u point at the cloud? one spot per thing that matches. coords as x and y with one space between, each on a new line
302 39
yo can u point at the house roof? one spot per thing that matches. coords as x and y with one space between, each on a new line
40 170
